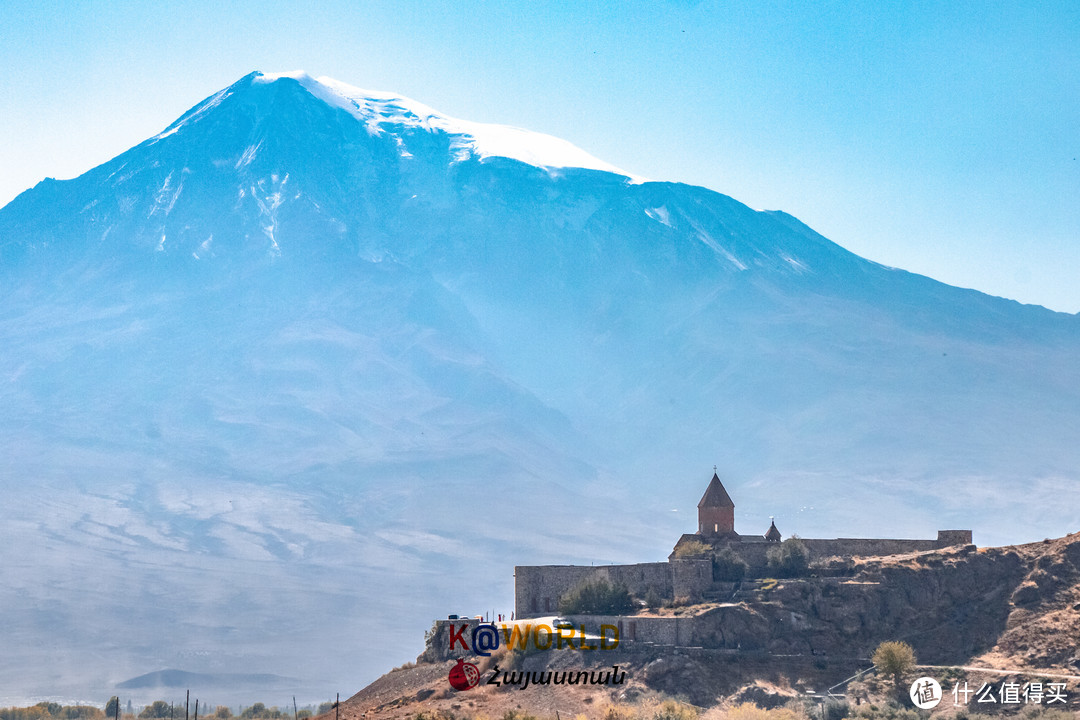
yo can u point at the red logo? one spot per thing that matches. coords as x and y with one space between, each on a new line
464 676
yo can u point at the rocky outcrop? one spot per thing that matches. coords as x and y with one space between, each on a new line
1043 625
950 605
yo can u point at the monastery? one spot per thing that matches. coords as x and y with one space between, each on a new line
538 588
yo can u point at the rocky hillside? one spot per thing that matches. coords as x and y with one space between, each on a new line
1007 607
1014 611
1042 628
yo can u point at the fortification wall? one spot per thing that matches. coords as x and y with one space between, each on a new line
756 553
865 547
690 578
538 588
632 630
948 538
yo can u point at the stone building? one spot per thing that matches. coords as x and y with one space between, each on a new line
716 511
538 588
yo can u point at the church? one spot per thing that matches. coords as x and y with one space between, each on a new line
716 516
538 588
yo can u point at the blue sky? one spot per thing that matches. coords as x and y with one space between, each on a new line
938 137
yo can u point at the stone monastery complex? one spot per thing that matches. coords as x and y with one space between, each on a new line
538 588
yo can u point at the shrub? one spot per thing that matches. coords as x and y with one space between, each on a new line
159 709
52 711
597 598
518 715
692 548
891 711
259 710
77 712
790 559
893 659
671 710
618 712
728 567
750 711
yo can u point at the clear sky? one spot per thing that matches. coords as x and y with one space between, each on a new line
938 137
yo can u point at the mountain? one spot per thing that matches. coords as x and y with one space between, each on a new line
316 364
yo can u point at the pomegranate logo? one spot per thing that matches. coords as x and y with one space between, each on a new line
464 676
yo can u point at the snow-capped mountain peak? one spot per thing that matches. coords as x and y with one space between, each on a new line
380 110
390 113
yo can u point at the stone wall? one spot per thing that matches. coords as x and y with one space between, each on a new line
755 552
634 630
538 588
690 577
631 631
865 547
948 538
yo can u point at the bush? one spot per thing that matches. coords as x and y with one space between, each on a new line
728 567
596 598
750 711
892 711
671 710
893 659
692 548
518 715
259 710
791 559
159 709
52 711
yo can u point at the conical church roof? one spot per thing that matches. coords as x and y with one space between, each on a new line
715 495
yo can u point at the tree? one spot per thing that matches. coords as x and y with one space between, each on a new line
790 559
597 598
112 706
692 548
728 567
894 659
159 709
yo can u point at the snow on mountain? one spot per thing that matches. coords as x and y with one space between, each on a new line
315 364
389 113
